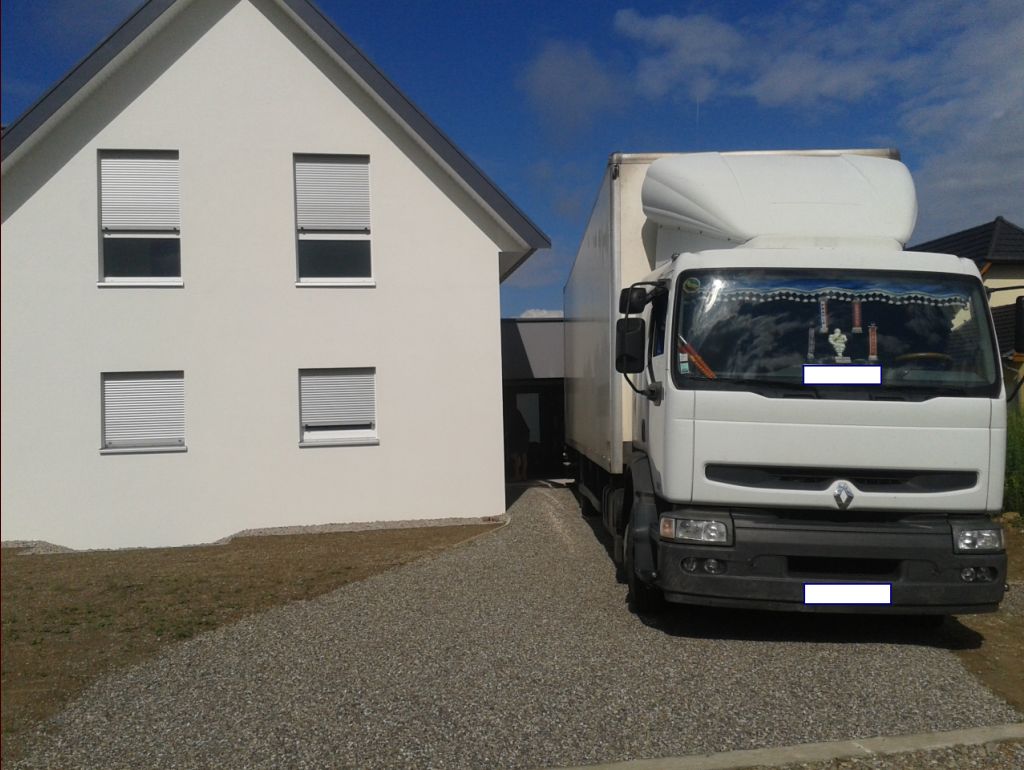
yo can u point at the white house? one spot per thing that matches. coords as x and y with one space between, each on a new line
246 283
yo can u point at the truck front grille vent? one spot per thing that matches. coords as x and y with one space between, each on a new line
820 479
821 567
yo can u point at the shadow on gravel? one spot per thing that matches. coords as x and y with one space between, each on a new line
754 625
513 491
697 622
516 489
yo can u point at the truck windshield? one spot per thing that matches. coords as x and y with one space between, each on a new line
928 332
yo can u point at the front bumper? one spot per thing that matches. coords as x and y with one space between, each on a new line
773 558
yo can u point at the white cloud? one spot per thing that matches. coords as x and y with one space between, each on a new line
691 51
569 86
975 180
539 313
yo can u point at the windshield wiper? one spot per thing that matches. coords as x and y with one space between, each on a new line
920 390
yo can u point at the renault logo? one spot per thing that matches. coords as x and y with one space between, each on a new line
843 495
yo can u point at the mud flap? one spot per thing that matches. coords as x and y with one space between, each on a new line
644 516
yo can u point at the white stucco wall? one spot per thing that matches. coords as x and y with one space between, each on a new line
237 101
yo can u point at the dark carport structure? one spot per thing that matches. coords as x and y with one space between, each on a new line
533 389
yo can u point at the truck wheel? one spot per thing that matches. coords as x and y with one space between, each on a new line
642 598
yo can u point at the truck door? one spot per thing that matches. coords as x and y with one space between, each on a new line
653 418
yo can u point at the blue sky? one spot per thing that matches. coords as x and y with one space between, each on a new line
540 93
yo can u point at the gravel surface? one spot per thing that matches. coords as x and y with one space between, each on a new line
35 546
513 650
987 756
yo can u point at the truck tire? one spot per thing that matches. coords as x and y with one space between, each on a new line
643 599
586 507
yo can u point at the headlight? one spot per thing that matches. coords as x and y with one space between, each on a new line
977 539
706 531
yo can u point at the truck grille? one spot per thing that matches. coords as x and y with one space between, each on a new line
821 567
820 479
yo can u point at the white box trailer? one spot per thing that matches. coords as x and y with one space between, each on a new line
843 470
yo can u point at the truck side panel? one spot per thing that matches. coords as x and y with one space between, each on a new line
592 394
618 248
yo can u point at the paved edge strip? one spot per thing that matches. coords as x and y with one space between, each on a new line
817 752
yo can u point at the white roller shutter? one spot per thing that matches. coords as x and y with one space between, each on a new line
332 193
337 397
144 409
139 191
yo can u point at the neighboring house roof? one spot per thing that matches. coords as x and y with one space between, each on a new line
998 241
318 25
1004 318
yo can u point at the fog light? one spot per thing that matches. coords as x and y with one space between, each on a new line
967 574
714 566
984 574
690 564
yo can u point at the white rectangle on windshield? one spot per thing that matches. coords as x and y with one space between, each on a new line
847 593
842 375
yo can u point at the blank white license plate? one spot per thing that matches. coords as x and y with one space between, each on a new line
847 593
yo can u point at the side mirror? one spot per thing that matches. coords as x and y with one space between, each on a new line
1018 327
630 338
632 300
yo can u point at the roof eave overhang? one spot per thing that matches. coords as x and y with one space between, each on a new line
33 124
435 142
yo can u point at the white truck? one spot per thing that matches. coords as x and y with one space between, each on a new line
811 418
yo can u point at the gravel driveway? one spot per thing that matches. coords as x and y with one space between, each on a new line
513 650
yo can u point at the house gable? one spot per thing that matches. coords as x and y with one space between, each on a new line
520 235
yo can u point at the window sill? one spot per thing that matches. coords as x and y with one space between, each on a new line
361 283
354 441
140 450
172 283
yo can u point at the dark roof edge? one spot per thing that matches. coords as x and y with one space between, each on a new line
419 123
62 92
995 235
80 75
994 224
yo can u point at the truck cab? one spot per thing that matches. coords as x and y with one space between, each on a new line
751 484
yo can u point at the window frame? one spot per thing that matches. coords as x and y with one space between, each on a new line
338 434
143 445
307 233
149 232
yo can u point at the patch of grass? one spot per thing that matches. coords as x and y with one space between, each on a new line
997 661
69 617
1013 492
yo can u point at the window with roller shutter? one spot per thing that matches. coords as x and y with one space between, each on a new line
337 406
332 220
143 411
140 218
